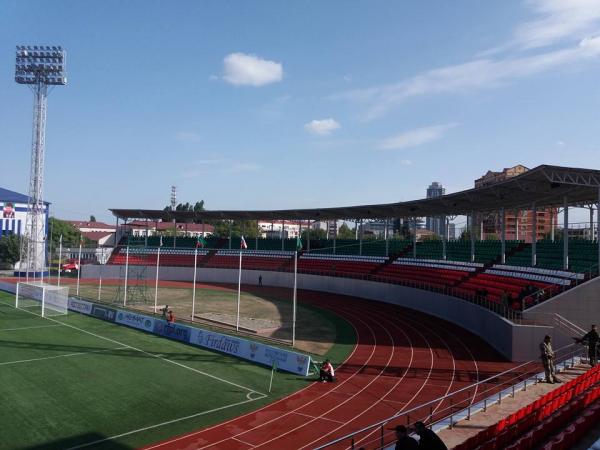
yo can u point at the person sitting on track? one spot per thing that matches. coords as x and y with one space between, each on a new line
326 373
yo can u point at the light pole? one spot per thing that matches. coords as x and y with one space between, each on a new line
37 66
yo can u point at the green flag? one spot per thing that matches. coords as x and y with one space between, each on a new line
200 242
298 243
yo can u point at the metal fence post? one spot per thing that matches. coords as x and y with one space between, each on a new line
382 443
352 442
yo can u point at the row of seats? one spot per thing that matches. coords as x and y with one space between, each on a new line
574 431
532 424
583 255
363 258
540 271
462 279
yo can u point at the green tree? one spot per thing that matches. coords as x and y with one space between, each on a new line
344 232
70 234
248 228
314 234
92 218
9 250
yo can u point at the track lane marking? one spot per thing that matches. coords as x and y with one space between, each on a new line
169 422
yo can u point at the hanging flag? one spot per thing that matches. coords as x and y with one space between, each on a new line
298 243
200 242
243 243
160 244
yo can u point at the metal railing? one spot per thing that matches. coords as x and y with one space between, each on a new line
481 394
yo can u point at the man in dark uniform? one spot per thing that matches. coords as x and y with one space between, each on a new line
592 339
404 442
428 440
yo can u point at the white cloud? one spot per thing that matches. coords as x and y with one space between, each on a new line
560 143
322 127
469 76
242 167
208 161
250 70
416 137
188 136
558 20
406 162
219 166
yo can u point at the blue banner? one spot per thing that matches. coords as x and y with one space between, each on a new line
172 331
134 320
252 351
104 312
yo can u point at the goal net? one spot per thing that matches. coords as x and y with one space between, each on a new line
43 299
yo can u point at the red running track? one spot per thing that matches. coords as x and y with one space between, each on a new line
402 359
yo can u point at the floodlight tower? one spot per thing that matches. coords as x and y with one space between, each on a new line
37 66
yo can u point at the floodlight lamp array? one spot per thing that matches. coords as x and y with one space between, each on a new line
40 64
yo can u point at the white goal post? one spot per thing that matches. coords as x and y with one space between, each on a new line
43 299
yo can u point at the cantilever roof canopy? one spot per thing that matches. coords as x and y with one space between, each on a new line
544 186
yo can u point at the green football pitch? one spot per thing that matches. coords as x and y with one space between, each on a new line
74 381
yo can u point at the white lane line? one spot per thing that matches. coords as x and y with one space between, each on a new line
153 355
350 398
244 442
66 355
338 385
323 418
391 389
407 319
169 422
29 328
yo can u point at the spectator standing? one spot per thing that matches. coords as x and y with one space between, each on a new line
404 441
260 280
428 440
592 339
171 317
547 355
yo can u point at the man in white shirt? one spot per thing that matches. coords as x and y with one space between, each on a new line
326 373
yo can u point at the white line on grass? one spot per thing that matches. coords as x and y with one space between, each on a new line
29 328
150 354
88 444
66 355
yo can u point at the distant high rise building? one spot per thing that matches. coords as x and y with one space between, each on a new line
519 223
434 224
451 231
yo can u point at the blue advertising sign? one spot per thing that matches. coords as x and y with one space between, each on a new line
172 331
104 312
134 320
253 351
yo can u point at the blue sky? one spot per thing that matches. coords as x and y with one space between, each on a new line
298 104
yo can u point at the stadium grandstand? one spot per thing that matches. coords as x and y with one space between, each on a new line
507 276
432 330
508 292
